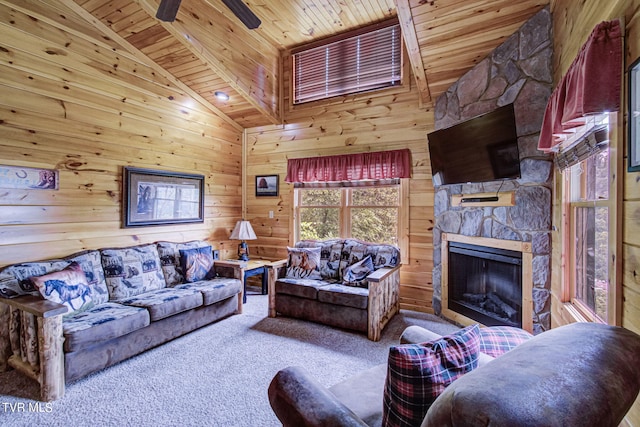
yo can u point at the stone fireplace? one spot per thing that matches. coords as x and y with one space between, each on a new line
519 72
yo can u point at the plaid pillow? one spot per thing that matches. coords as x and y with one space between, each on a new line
418 373
497 340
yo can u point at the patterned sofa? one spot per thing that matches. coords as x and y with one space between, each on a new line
345 283
63 319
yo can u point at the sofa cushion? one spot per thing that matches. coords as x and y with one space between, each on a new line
355 274
418 373
304 288
169 253
132 271
348 296
68 287
330 252
303 263
91 264
215 290
15 280
101 323
197 264
497 340
165 302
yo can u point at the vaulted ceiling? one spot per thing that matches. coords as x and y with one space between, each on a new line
207 49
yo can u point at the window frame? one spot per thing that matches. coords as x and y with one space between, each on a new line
345 214
573 308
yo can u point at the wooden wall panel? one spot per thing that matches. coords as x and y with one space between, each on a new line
370 122
73 101
573 22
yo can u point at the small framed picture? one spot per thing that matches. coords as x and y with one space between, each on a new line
634 116
266 185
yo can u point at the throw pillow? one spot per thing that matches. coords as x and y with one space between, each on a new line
497 340
304 263
355 274
418 373
68 286
197 264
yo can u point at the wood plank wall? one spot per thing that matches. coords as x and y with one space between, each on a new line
368 122
74 101
573 22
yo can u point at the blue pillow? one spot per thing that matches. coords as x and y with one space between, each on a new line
356 273
197 264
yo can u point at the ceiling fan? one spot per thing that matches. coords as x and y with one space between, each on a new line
168 10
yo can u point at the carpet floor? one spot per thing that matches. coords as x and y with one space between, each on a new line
215 376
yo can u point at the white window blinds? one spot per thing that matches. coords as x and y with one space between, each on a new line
363 62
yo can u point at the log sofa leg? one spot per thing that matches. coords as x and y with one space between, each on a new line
50 342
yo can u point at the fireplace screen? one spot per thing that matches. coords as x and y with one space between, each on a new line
485 284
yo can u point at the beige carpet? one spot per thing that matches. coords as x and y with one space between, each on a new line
215 376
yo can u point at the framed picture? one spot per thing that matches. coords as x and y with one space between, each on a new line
154 197
266 185
634 116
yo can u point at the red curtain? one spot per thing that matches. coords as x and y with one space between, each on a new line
351 167
591 85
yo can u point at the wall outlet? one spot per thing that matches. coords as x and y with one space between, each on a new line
271 214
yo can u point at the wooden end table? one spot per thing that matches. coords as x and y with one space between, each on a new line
253 267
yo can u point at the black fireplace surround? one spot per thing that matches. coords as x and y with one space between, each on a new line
485 284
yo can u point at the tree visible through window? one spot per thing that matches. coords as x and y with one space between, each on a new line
370 213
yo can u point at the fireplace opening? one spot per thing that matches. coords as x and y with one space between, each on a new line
485 284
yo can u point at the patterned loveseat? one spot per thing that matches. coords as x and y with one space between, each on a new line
345 283
63 319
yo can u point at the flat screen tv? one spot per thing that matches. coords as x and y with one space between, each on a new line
481 149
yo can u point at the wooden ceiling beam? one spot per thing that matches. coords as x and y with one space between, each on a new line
413 48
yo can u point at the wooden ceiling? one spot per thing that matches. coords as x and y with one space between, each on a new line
207 49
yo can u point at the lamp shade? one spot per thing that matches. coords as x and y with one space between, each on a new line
243 231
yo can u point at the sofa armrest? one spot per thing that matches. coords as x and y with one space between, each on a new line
37 306
382 273
384 299
297 399
274 271
34 331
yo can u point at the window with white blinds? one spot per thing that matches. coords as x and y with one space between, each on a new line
363 62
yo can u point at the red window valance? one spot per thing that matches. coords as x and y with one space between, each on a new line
590 86
351 167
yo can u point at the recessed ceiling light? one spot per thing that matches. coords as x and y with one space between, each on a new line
221 96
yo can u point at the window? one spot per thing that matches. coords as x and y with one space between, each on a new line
369 60
367 213
590 207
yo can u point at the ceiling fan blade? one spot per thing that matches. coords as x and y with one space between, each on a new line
244 14
168 10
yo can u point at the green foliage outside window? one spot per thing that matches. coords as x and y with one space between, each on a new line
372 213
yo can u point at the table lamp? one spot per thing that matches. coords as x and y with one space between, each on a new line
243 231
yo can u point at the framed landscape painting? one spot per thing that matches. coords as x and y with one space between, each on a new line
266 185
154 197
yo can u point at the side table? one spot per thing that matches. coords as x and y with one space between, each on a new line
249 268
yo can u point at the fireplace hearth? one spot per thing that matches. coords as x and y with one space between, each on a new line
485 284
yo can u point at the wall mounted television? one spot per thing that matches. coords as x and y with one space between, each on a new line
484 148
